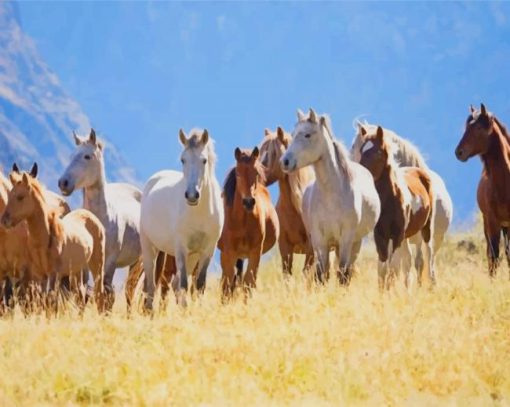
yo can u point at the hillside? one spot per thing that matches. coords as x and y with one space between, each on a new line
37 115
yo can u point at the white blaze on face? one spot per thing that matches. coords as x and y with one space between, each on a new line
367 146
416 203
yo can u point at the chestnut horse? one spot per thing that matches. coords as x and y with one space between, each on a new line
293 235
61 247
251 223
487 137
407 204
15 261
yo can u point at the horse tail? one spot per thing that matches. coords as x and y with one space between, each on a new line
427 183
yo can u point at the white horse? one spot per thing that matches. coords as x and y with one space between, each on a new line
407 155
182 215
117 205
342 205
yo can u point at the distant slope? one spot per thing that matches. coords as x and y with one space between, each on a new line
37 116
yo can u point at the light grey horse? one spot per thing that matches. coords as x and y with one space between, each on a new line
117 205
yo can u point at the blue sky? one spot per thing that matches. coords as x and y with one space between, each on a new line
142 70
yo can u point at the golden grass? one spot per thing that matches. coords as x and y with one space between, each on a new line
288 345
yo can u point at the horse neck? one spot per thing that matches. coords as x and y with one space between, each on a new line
497 158
387 186
328 173
39 224
292 187
94 196
208 194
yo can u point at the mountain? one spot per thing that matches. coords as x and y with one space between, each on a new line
37 116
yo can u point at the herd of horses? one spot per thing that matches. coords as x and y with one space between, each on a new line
330 200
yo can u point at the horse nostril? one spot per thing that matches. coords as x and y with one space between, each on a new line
286 162
197 195
186 194
459 153
64 183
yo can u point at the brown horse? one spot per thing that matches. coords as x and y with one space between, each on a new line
293 235
251 225
487 137
406 209
60 247
15 261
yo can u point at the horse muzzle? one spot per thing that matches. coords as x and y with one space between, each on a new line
288 164
65 186
249 204
6 221
192 198
461 154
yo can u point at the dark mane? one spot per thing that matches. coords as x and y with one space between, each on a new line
229 187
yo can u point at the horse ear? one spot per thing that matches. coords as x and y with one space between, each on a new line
472 110
237 153
380 134
77 140
100 145
33 171
267 132
483 110
300 115
182 137
255 153
92 137
15 168
312 116
280 133
361 129
205 137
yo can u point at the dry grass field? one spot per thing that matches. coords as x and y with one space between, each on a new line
288 345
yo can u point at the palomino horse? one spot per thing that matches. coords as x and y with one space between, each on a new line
15 262
61 247
251 222
406 209
342 205
182 216
117 205
407 155
293 236
487 137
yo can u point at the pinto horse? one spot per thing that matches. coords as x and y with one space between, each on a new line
60 247
407 204
251 223
293 235
487 137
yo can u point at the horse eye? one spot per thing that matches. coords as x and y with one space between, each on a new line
20 197
204 161
87 157
307 135
183 160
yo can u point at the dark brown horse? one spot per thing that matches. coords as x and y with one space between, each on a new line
251 225
487 137
293 235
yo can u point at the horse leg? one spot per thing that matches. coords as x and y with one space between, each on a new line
345 259
322 269
507 245
75 287
250 277
167 275
238 276
356 247
287 256
228 273
492 236
202 267
149 254
135 272
407 260
180 282
109 290
382 244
